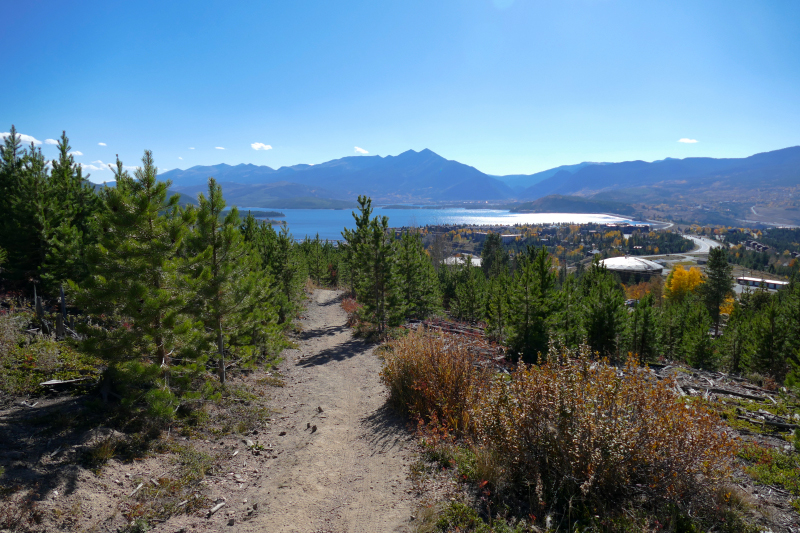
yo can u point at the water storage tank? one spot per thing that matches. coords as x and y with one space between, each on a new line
629 266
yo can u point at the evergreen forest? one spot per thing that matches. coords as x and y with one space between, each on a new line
166 296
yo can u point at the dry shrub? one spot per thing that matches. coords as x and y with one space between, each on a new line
10 331
351 307
639 290
588 432
434 377
573 433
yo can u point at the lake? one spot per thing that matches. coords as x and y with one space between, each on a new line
329 222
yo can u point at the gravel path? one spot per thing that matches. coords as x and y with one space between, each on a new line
350 474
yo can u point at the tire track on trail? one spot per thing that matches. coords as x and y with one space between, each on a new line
350 475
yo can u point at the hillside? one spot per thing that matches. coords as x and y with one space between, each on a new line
574 204
677 177
520 182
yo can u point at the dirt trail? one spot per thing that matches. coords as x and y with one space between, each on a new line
350 474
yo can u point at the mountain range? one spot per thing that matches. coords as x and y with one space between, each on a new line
426 177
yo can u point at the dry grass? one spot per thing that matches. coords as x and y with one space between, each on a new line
575 435
179 492
434 378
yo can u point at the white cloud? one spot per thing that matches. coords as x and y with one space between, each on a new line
98 162
179 157
687 141
76 152
361 150
26 139
219 147
261 146
102 144
131 167
191 148
94 168
50 141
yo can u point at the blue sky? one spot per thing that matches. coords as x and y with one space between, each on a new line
508 86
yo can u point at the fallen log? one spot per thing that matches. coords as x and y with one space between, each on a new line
55 382
215 509
779 425
738 394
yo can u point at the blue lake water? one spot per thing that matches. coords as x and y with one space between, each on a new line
328 223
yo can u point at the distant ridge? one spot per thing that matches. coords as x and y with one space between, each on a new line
779 168
424 176
409 176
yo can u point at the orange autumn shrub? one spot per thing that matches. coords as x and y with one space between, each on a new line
639 290
433 377
575 432
592 434
351 307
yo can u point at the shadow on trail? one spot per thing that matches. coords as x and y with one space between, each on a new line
336 300
325 331
51 445
340 352
386 429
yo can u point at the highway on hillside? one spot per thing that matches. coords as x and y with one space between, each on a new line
704 244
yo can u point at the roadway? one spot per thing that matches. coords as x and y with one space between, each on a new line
704 245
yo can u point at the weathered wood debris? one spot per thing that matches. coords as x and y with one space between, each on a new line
726 387
470 335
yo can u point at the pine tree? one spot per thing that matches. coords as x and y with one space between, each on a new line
417 285
279 259
531 297
791 307
315 259
640 330
353 238
671 326
565 320
770 340
718 285
498 307
48 215
76 206
601 309
11 160
136 287
736 342
470 292
698 345
375 286
233 300
36 215
494 258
